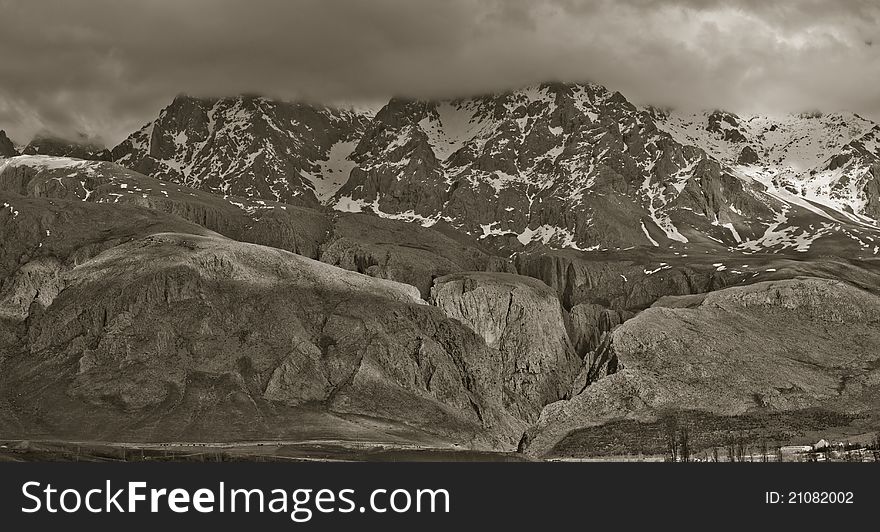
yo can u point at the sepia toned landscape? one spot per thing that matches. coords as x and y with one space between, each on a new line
551 270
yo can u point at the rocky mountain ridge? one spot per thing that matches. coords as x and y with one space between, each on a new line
563 165
249 146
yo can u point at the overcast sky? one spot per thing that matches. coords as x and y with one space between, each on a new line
105 67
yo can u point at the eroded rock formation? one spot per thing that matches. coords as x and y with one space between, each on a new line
522 318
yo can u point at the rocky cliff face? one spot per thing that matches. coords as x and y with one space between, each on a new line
7 148
588 325
851 178
247 146
522 318
782 345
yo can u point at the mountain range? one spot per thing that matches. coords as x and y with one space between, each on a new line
559 164
501 271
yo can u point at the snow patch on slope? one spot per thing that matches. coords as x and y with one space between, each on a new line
334 171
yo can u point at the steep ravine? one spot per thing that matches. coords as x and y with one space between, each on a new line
772 346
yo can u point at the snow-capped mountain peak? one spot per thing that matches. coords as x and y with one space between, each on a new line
558 164
824 157
247 145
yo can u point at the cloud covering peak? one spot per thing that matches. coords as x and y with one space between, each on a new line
104 67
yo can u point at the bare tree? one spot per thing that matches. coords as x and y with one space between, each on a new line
684 446
741 448
671 439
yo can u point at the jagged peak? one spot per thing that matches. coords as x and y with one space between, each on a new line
7 148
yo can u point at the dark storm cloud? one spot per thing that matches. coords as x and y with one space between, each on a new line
103 67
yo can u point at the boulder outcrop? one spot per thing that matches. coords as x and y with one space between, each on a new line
522 318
